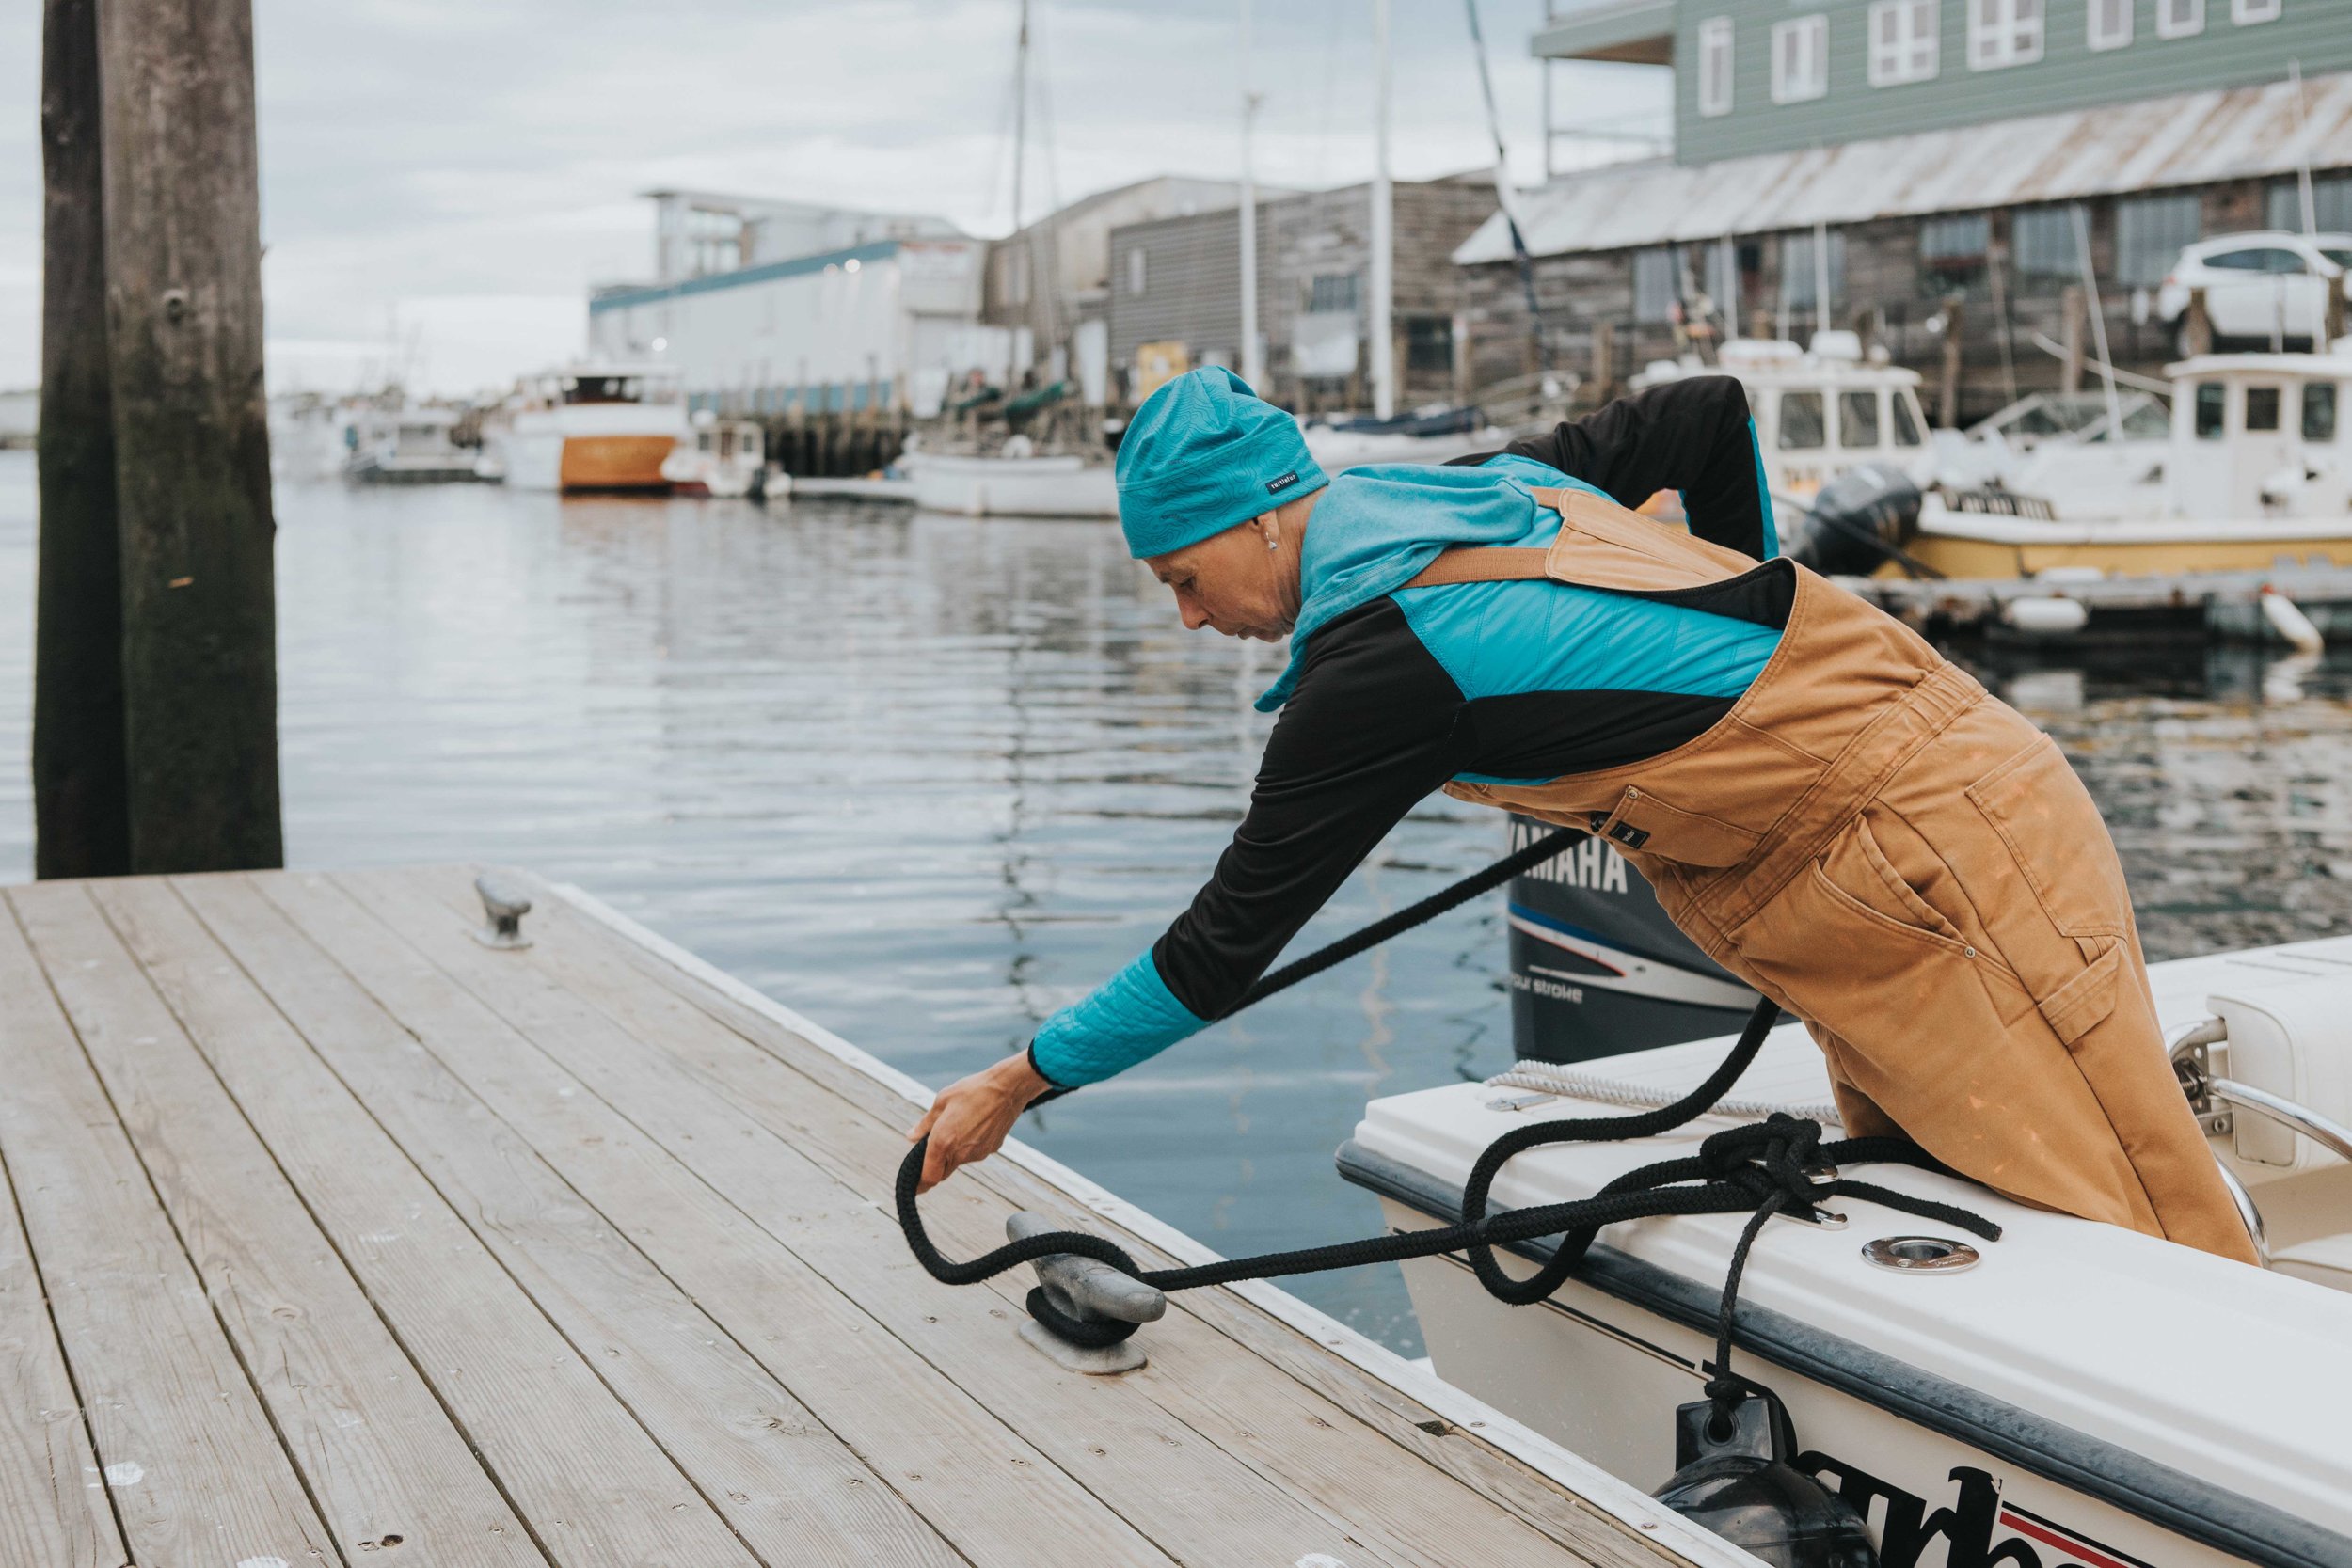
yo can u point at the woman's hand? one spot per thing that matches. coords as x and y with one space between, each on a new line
972 1116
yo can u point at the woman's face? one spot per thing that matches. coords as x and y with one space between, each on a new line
1243 582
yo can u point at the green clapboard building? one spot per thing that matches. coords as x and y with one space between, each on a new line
1939 153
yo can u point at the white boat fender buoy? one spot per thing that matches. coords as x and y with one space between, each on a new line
2046 615
2287 619
1742 1484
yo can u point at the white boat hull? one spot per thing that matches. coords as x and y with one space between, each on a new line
2084 1395
1601 1376
1011 486
593 446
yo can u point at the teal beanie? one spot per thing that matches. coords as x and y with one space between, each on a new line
1206 454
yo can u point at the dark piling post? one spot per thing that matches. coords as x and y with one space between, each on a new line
81 815
183 299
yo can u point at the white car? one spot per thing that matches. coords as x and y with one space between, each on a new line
2269 288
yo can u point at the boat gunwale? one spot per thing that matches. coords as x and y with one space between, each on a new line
2166 1496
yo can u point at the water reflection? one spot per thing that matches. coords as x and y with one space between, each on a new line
928 778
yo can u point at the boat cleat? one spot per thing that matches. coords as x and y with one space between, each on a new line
1089 1290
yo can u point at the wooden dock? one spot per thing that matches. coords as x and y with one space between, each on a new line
336 1236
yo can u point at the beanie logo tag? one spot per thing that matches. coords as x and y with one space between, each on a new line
1276 486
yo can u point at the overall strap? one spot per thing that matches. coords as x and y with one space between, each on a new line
1502 563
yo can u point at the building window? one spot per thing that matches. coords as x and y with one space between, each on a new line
1902 41
1799 58
1657 283
1332 292
2042 245
2246 12
2331 205
1953 251
1797 276
1715 66
2003 32
2180 19
1137 276
2110 23
2149 231
1016 277
1428 345
1723 281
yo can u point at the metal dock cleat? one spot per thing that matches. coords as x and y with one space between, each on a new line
505 901
1089 1291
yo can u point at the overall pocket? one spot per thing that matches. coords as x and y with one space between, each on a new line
1855 872
2058 838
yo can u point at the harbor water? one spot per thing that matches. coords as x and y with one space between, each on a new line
927 779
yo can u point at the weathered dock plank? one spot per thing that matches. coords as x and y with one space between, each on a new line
377 1452
582 1255
511 1244
994 1495
1422 1432
1288 1431
1149 1445
53 1507
187 1457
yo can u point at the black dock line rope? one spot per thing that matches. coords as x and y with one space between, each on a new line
1764 1169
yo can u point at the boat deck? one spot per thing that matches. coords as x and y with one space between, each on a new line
339 1238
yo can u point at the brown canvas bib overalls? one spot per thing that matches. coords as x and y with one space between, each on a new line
1900 860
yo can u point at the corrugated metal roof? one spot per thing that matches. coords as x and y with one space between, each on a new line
2192 139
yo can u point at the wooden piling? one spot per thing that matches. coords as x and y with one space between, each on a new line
81 813
2197 328
183 297
2074 320
1947 401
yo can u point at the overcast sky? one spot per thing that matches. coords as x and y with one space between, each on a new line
452 175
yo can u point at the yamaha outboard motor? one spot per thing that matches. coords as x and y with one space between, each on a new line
1598 969
1859 521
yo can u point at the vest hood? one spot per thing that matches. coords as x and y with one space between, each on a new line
1377 526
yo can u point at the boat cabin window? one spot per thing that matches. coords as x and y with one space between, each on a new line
2319 411
1857 419
602 388
2213 402
1906 426
1801 424
2261 407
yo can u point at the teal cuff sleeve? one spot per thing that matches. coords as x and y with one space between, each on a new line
1132 1017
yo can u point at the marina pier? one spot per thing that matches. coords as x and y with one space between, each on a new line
340 1236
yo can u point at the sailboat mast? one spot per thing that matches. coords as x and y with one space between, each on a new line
1380 330
1252 355
1020 113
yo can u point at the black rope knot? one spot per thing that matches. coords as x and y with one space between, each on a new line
1780 1155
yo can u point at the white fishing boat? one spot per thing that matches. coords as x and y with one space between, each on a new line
2255 471
721 458
2071 1393
593 427
408 445
1820 411
1062 485
1429 436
